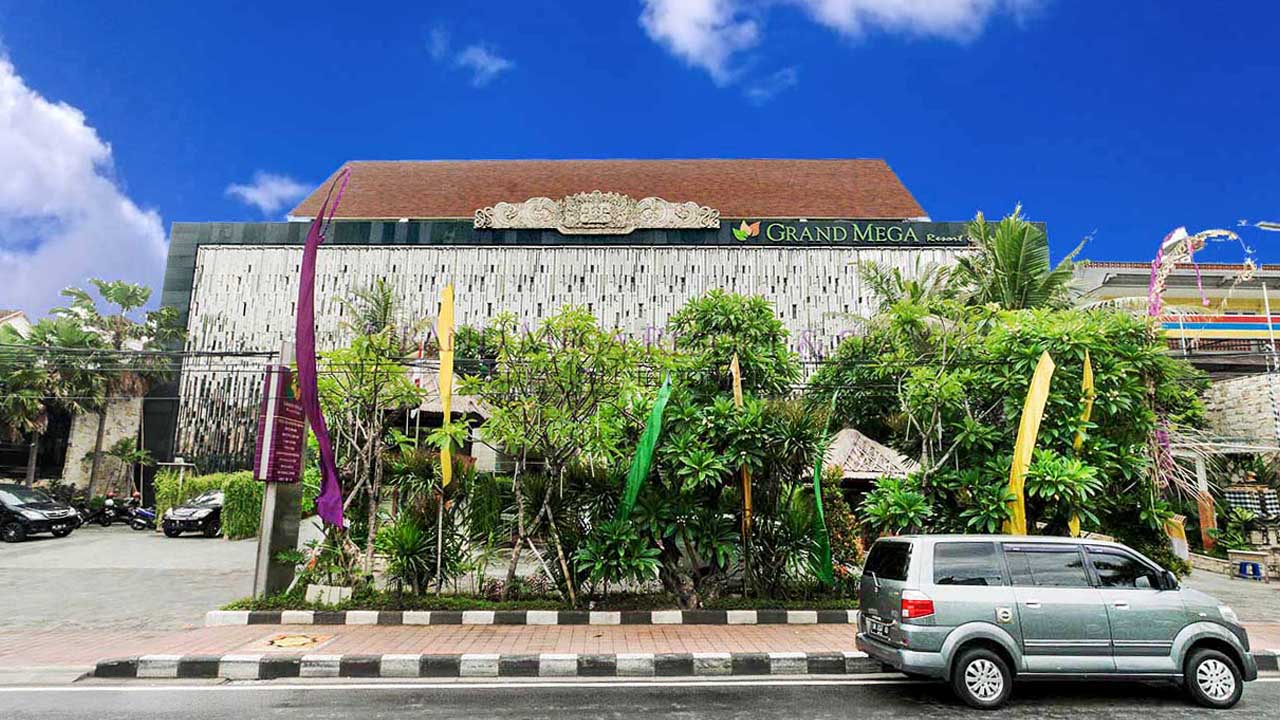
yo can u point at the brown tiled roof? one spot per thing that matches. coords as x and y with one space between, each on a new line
866 189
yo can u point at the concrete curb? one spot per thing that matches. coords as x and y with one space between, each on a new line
217 618
274 666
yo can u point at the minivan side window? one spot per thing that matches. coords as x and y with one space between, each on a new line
966 563
888 560
1118 569
1047 566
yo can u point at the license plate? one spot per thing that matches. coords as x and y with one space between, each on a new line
878 629
60 526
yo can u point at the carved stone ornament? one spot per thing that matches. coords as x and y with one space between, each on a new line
597 213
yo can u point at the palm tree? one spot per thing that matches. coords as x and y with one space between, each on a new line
1010 266
124 361
929 281
49 374
24 403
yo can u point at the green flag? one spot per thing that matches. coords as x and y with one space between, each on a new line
822 561
644 452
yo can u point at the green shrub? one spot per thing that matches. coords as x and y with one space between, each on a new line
241 505
170 492
242 497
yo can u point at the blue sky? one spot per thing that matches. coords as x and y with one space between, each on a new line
1116 119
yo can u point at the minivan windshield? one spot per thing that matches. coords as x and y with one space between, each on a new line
888 560
16 495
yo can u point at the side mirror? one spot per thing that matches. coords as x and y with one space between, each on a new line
1168 581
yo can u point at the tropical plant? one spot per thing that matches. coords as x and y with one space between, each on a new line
1010 266
946 382
616 554
890 285
130 456
1235 534
561 394
25 402
360 386
127 353
710 330
896 505
409 547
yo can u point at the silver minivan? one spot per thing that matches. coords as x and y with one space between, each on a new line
981 610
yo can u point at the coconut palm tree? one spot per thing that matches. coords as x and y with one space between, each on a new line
1010 265
928 281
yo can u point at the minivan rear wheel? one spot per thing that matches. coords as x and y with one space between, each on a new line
982 679
1212 679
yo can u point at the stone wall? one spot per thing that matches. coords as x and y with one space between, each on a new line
1245 407
123 419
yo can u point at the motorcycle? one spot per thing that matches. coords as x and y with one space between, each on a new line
143 519
109 512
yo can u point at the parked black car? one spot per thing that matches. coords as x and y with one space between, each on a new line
202 514
24 511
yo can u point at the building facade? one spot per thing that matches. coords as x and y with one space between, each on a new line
630 241
1223 317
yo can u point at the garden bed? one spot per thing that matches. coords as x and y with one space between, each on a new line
391 601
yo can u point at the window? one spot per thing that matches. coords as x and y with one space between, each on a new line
1047 566
966 563
888 561
1122 570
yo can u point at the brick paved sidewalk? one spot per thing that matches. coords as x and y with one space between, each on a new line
84 648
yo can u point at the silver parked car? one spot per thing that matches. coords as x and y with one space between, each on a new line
981 610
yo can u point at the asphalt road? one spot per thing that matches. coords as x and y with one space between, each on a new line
707 701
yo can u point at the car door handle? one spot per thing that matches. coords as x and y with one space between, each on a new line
1122 605
1033 603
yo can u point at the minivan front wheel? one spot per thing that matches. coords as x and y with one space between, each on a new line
982 679
1212 679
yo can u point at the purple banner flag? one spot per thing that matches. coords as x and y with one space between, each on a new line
329 502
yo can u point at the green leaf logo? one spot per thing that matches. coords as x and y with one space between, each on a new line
744 231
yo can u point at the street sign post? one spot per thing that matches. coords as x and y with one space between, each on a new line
277 462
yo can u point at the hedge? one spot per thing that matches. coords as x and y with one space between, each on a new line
242 497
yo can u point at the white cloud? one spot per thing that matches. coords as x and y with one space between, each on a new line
762 91
63 218
714 34
956 19
269 192
438 43
703 33
483 63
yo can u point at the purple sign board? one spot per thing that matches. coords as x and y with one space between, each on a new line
282 429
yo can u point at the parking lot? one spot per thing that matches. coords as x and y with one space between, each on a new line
119 579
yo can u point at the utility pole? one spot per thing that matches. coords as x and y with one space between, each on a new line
281 501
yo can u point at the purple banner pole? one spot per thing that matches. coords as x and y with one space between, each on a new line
329 502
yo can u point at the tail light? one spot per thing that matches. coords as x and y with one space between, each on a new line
915 605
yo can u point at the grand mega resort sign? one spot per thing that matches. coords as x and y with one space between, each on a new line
862 233
609 218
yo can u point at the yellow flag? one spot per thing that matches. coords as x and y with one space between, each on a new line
444 331
1028 428
1086 389
736 370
